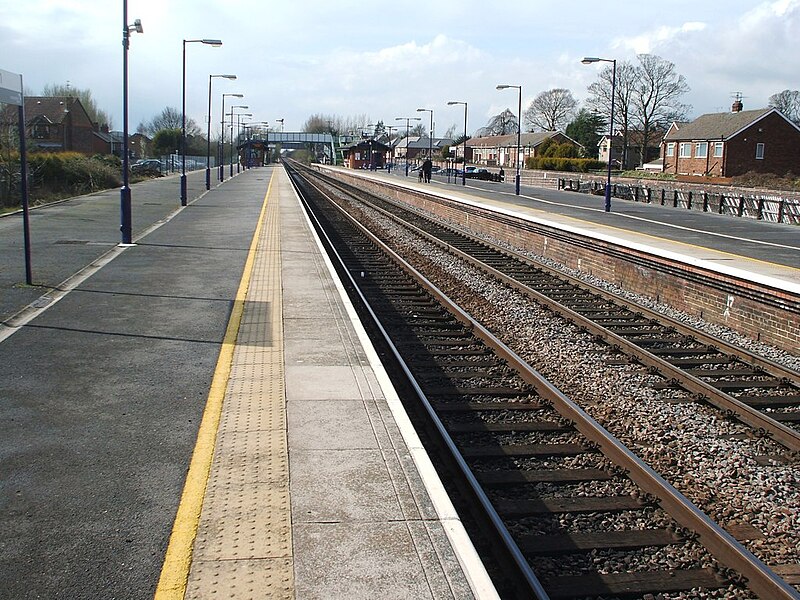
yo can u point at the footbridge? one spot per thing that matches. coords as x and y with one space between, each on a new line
254 150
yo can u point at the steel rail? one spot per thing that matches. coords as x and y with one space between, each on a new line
496 521
760 578
701 390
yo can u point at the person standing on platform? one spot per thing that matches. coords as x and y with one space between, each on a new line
427 168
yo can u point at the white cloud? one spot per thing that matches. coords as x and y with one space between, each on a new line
651 42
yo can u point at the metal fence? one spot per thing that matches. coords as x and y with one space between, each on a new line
172 163
771 208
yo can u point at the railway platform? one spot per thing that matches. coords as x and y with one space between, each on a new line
766 253
305 477
319 486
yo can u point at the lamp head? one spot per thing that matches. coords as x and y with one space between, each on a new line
503 87
215 43
590 59
137 26
423 109
451 103
228 76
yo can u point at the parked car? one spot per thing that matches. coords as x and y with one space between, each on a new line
147 166
476 173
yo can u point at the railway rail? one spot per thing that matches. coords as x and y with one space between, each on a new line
579 514
755 390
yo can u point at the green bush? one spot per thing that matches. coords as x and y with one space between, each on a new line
54 175
571 165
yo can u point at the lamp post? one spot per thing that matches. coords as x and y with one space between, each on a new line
215 43
232 109
389 128
587 61
126 226
208 134
519 128
430 137
408 121
222 137
464 166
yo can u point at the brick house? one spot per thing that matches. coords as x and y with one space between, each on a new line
366 154
632 157
501 150
59 124
734 143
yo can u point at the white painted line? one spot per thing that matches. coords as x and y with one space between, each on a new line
18 320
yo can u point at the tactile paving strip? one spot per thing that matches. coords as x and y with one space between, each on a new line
243 547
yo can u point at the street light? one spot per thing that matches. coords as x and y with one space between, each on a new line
389 128
215 43
208 135
519 127
222 137
126 226
232 109
587 61
464 166
430 137
408 121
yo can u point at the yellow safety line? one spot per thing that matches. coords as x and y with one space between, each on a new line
178 559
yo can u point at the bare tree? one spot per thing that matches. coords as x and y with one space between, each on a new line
788 102
550 110
600 101
168 118
503 124
96 114
647 98
656 101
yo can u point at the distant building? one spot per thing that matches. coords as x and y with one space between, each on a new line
501 150
60 124
416 148
366 154
631 157
733 143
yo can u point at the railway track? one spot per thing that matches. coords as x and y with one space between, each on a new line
578 513
758 392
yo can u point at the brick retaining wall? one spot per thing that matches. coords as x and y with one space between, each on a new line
767 315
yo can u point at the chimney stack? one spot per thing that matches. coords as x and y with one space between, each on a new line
737 105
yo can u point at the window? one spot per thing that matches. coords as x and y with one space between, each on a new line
40 131
671 149
685 150
759 151
718 149
701 150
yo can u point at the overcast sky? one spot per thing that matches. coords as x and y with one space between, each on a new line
295 58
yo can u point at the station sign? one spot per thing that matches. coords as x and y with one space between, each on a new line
10 88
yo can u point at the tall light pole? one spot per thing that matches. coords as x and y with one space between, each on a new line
408 121
222 138
126 225
389 128
587 61
464 166
215 43
232 109
519 128
208 134
430 136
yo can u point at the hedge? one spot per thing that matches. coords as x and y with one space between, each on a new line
577 165
59 175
